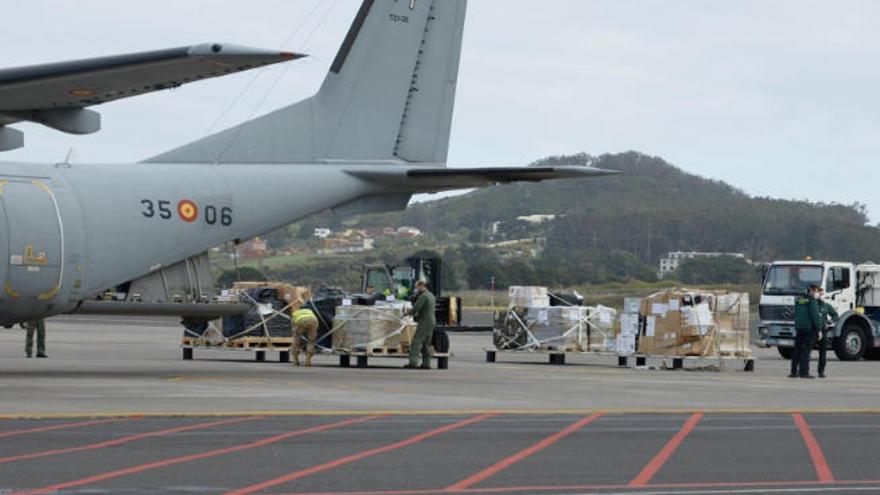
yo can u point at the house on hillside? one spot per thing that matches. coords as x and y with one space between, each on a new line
253 249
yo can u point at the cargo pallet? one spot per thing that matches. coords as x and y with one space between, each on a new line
678 362
556 356
362 357
258 345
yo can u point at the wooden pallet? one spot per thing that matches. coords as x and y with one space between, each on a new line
556 356
362 357
375 351
261 343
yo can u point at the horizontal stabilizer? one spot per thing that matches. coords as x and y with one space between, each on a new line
447 179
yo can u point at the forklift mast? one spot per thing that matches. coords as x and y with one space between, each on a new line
429 270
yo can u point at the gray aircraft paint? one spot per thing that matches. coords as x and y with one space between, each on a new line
388 96
376 133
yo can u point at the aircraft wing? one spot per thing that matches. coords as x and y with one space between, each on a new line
56 95
436 179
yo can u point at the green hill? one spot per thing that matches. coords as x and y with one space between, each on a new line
610 229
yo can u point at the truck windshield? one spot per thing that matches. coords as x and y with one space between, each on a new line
792 279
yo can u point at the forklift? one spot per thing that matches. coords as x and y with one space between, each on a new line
383 280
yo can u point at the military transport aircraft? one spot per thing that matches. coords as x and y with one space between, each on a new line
376 133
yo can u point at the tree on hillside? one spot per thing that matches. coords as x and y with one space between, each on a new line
716 270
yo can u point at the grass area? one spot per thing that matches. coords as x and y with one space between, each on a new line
270 263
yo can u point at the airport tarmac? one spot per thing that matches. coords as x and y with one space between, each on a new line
657 454
107 366
116 410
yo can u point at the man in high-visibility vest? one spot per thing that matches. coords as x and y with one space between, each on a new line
305 324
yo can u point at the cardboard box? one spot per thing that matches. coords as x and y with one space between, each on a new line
528 297
372 327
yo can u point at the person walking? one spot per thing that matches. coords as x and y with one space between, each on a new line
423 312
305 325
807 324
828 317
38 326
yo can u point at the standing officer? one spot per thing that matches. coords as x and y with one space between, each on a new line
828 317
40 327
305 324
423 312
807 324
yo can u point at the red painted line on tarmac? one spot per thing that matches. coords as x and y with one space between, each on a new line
823 471
189 458
121 440
62 426
327 466
647 474
527 452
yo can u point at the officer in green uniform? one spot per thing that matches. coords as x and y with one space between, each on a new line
423 312
38 326
807 324
828 317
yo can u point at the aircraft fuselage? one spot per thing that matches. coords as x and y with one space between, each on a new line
70 231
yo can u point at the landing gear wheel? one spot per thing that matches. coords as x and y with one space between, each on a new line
786 352
852 343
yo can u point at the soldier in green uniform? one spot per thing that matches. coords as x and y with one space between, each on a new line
807 324
423 312
38 326
828 317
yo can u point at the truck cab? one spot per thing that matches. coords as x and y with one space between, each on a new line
848 288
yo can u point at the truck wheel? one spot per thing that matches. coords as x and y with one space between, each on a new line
786 352
852 344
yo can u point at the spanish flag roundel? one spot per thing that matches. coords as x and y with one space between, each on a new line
187 210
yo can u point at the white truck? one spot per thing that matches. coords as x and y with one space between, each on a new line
853 290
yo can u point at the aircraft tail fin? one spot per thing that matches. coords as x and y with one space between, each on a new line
388 97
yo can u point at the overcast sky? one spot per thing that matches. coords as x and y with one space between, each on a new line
778 98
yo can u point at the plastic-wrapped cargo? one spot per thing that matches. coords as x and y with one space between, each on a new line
559 327
733 315
868 288
556 328
682 322
528 297
367 328
600 336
